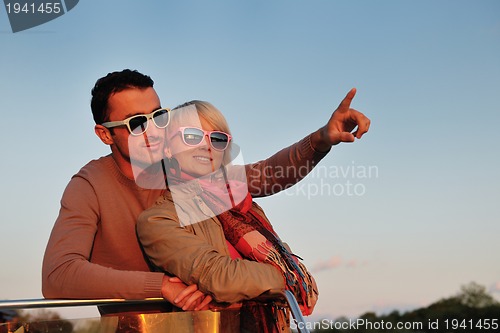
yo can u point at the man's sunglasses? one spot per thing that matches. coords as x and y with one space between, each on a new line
138 124
193 137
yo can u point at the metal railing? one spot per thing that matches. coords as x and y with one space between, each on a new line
195 320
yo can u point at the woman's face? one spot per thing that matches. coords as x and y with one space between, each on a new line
196 161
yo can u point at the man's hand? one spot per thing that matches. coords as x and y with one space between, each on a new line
189 298
342 122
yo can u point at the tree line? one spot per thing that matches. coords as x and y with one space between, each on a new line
473 309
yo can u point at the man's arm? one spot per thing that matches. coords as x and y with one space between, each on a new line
67 271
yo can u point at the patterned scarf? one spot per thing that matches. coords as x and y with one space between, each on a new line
255 239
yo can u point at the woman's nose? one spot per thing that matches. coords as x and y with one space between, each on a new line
207 143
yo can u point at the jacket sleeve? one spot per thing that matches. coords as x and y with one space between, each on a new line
283 169
190 257
66 269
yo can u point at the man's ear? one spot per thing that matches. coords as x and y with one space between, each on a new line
104 134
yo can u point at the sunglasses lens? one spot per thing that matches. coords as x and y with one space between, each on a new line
138 124
161 118
219 140
193 136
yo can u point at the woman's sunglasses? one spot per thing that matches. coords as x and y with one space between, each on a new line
193 137
138 124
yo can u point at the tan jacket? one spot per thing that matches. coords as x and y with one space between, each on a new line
198 253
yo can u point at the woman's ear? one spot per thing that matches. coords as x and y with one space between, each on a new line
104 134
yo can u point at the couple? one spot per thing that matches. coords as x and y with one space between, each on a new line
94 251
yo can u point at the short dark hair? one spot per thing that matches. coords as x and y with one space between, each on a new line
112 83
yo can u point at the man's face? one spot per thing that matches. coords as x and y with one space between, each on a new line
142 150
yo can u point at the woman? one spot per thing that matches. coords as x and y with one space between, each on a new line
207 230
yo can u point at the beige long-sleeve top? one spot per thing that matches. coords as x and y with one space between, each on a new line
197 252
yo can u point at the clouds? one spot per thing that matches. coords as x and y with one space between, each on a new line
495 288
335 262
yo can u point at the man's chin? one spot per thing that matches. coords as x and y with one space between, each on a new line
149 174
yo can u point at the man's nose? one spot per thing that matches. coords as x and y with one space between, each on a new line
153 130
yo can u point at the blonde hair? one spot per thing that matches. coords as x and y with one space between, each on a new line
212 115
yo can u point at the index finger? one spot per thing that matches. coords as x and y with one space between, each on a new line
345 105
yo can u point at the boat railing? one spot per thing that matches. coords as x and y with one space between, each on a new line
219 321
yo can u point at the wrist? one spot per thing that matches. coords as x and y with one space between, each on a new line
319 143
164 286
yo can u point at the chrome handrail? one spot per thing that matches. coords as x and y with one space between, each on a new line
296 313
52 303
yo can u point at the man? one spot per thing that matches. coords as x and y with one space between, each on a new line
93 251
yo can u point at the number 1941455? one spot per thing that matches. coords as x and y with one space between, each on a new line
32 8
471 324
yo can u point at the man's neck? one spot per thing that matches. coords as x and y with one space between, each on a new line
124 165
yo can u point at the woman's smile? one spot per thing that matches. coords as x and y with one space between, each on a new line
203 159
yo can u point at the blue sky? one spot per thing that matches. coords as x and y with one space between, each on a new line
424 222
